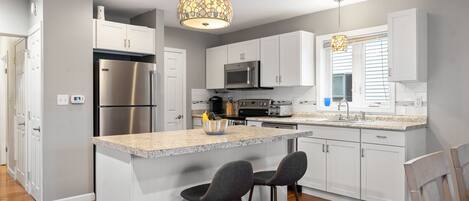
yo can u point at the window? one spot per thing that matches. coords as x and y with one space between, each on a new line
358 75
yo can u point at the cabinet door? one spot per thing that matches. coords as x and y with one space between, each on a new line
408 45
111 35
244 51
315 176
290 59
383 176
140 39
216 58
343 168
270 62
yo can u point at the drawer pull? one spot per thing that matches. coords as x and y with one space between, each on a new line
381 137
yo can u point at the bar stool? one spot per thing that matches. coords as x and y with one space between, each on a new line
290 170
231 182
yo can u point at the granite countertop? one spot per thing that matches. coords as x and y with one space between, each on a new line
171 143
377 124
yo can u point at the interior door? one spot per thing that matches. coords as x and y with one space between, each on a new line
174 97
383 176
343 168
20 115
315 176
35 114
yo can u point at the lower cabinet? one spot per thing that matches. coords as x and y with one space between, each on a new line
343 168
383 176
363 164
333 166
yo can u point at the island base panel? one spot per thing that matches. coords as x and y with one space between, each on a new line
124 177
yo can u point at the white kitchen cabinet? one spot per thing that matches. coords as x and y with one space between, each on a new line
315 149
408 46
139 39
113 36
244 51
254 123
343 168
297 59
270 61
382 173
216 58
288 60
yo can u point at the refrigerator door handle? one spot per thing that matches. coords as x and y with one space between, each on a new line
153 86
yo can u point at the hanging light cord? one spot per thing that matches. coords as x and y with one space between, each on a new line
338 30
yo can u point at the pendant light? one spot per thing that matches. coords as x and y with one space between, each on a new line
339 42
205 14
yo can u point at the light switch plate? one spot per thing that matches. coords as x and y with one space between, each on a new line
63 99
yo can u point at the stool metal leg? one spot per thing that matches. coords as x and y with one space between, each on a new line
296 192
250 193
272 193
275 193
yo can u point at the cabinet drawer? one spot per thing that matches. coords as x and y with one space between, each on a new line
383 137
333 133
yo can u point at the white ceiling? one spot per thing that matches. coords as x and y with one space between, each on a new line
247 13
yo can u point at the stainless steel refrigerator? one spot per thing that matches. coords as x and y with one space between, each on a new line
125 97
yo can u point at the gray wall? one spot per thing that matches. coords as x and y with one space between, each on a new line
195 44
68 69
14 17
448 55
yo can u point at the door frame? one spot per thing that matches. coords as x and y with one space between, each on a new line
184 85
36 28
4 109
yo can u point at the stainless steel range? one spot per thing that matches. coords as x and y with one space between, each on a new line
249 108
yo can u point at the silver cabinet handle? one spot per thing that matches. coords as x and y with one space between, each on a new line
129 43
38 129
249 76
125 43
327 148
381 137
363 153
22 124
280 79
323 148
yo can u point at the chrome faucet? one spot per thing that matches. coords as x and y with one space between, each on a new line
348 109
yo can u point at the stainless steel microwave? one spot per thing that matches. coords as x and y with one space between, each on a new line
243 75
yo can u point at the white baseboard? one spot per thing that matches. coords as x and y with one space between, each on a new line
84 197
11 172
326 195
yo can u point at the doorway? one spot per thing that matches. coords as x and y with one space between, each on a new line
174 89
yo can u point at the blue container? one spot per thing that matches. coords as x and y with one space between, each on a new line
327 102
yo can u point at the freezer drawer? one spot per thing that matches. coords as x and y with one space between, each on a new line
125 120
123 83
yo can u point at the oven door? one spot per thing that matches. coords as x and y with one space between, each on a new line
242 75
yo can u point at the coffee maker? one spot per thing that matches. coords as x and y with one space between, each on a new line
216 104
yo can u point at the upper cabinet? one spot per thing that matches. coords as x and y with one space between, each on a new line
244 51
408 46
288 60
217 57
113 36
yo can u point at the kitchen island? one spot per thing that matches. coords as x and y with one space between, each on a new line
158 166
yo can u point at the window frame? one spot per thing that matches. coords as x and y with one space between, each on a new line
324 75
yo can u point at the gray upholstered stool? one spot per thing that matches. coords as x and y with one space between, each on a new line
231 182
291 169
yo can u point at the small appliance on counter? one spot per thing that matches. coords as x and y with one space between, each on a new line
281 109
216 104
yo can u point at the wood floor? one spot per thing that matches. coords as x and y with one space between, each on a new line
303 197
10 190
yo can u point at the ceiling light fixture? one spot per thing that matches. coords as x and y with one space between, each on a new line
339 42
205 14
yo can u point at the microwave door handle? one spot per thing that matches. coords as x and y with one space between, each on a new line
249 76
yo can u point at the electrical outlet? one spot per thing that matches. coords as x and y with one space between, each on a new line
63 99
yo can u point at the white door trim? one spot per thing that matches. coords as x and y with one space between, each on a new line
184 84
3 109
